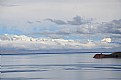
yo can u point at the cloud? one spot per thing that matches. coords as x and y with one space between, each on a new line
80 29
65 30
87 26
112 27
54 35
38 21
59 22
30 22
77 20
30 43
102 30
85 29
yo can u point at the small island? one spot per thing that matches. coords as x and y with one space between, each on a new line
113 55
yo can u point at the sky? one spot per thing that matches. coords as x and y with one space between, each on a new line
81 20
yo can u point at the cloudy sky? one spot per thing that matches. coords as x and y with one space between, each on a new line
68 19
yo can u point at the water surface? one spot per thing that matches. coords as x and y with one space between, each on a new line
76 66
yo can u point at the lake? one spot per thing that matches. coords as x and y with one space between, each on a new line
54 66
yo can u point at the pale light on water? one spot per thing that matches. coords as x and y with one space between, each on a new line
77 66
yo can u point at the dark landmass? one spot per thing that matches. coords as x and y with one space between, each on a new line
113 55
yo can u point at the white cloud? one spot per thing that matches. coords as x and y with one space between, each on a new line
29 43
106 40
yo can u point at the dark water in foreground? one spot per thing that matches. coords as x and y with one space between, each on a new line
78 66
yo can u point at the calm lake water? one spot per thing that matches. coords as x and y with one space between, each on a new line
76 66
